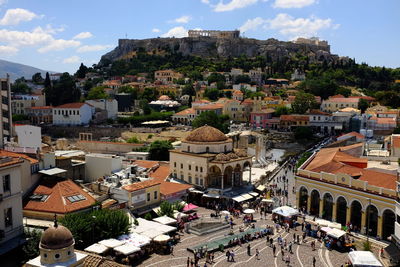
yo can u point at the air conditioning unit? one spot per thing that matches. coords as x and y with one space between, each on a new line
2 234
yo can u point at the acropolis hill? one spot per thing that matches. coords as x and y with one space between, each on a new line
223 44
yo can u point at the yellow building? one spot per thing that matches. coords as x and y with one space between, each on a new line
143 195
335 185
333 104
167 76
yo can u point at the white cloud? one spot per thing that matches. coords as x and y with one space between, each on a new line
183 19
50 29
70 60
8 50
299 27
155 30
92 48
83 35
23 38
59 45
17 15
252 24
292 3
205 1
233 4
177 32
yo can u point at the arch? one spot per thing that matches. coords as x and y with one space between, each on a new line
237 173
228 175
355 218
214 177
246 164
207 149
341 210
371 219
328 207
388 219
303 198
315 199
188 149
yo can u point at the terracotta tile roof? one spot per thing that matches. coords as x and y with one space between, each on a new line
358 135
161 173
318 112
368 98
72 105
186 112
167 188
42 107
248 101
343 100
13 161
5 153
294 118
140 185
210 107
337 96
57 202
148 164
201 101
268 110
386 121
396 141
237 92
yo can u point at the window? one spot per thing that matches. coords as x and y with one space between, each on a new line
201 182
190 167
197 180
8 217
182 176
207 149
57 256
181 165
175 164
201 169
190 179
76 198
155 194
148 196
6 183
188 149
197 168
77 112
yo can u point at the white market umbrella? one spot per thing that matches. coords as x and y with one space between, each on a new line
249 211
96 248
112 243
127 249
162 238
225 212
285 211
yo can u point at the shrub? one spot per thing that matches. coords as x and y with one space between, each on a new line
148 216
367 246
133 140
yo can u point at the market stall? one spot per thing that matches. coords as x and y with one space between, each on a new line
97 249
285 214
165 220
363 259
111 243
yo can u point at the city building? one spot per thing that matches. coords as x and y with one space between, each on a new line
56 248
214 107
54 195
184 117
260 119
5 114
20 104
207 159
109 105
335 103
72 114
237 95
101 165
298 75
11 225
336 184
324 122
28 136
167 76
290 122
40 115
142 196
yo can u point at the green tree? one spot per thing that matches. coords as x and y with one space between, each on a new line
48 89
215 77
159 150
133 140
166 209
31 247
91 227
37 78
97 93
281 110
81 72
65 91
303 103
212 93
346 92
210 118
188 90
242 79
20 86
363 105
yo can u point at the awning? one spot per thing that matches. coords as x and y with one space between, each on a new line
285 211
363 258
164 220
247 196
260 188
135 239
53 171
211 195
336 233
254 194
127 249
239 199
96 248
265 200
112 243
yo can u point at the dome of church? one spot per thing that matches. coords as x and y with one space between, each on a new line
206 134
56 237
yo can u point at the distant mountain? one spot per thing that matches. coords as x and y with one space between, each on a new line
18 70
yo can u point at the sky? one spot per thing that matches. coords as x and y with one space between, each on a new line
58 35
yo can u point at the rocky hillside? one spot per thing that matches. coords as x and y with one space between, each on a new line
212 47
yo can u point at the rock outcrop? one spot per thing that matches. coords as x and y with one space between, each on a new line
213 47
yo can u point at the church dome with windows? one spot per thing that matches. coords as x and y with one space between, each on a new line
206 134
56 237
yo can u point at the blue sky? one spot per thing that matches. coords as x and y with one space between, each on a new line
58 35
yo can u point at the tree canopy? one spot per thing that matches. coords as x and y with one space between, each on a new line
210 118
159 150
303 102
97 93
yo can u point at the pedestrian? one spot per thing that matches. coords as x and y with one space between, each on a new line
290 247
232 255
271 241
314 261
302 226
288 260
188 262
248 250
257 254
205 264
191 263
171 249
283 254
228 255
274 250
212 257
294 237
298 239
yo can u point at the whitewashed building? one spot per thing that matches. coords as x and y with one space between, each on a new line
72 114
100 165
29 136
109 105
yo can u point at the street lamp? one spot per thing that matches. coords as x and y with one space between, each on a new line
93 224
369 218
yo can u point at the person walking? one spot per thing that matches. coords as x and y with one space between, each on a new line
283 254
228 255
274 250
271 241
248 250
287 260
232 255
257 254
314 261
188 262
290 247
298 239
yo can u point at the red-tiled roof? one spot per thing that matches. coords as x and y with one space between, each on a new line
318 112
5 153
58 192
396 141
72 105
186 112
105 142
294 118
141 185
43 107
237 92
148 164
210 107
13 161
167 188
343 100
358 135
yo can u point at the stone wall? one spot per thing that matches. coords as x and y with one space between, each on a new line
73 131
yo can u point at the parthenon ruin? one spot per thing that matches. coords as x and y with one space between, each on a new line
214 34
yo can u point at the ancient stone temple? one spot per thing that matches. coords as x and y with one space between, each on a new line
214 34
